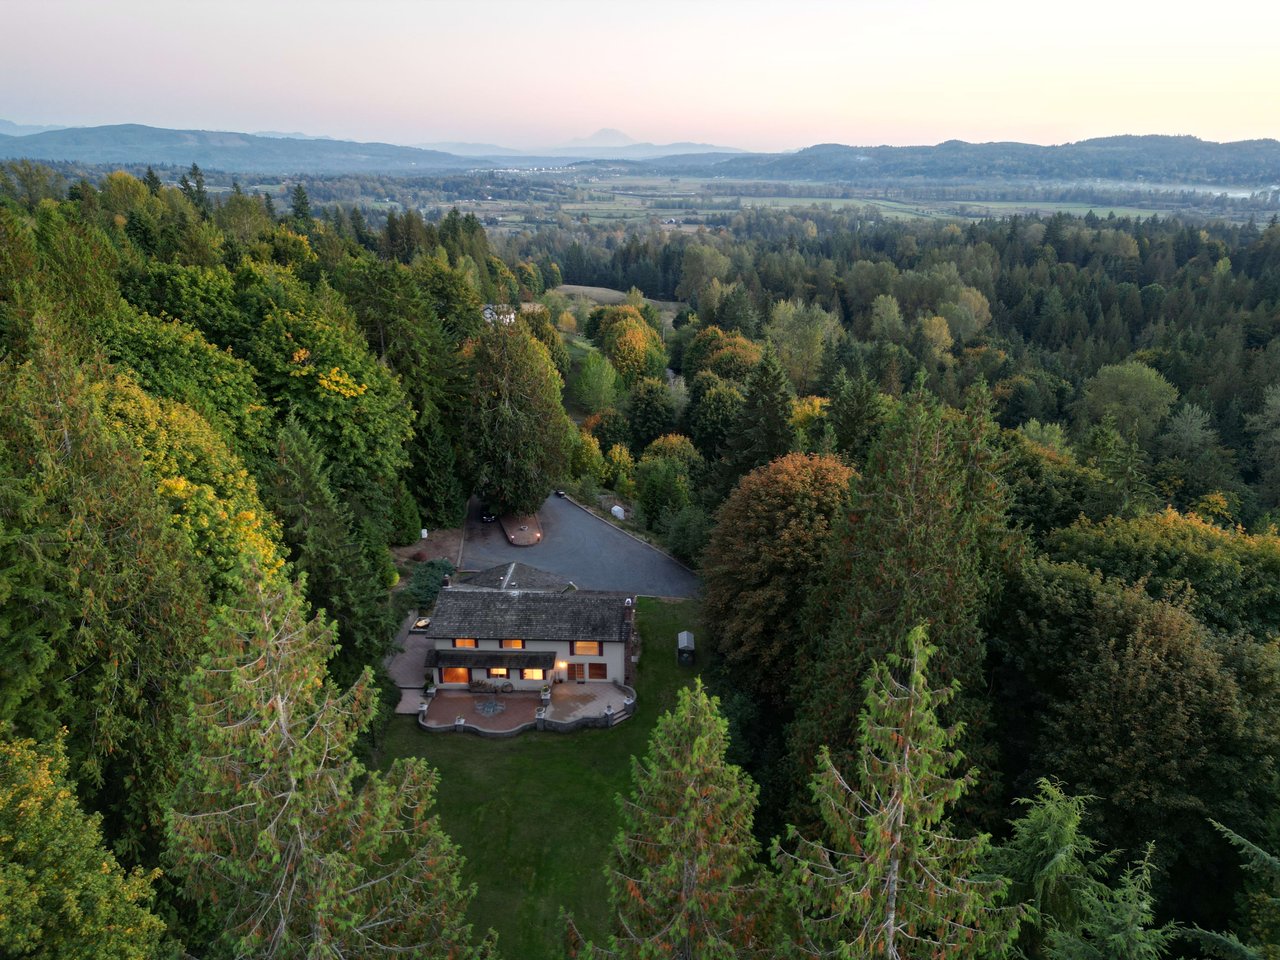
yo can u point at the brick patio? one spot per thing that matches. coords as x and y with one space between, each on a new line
505 714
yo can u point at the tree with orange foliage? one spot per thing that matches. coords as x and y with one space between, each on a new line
766 547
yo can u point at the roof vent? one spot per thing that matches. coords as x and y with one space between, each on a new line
626 602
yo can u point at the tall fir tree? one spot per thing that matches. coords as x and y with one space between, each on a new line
279 833
921 542
682 878
887 876
764 430
855 415
326 550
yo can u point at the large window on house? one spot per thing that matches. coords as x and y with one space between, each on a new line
467 642
455 675
498 672
587 648
597 671
512 644
533 673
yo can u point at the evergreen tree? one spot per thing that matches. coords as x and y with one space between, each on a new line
1117 923
192 186
920 543
681 877
855 414
152 182
763 431
887 877
300 206
327 553
278 832
1262 913
518 436
1058 874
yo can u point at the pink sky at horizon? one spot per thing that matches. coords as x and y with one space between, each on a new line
763 76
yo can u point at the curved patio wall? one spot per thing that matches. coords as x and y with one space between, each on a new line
541 723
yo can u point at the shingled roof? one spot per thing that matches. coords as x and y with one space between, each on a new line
515 615
516 576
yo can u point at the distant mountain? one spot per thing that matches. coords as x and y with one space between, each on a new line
601 138
239 152
1164 159
10 129
277 135
463 149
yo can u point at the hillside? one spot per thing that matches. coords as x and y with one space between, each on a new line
1156 158
217 150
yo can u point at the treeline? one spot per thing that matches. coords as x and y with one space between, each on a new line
216 418
1050 441
986 519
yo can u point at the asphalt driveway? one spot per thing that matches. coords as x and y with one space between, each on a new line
591 552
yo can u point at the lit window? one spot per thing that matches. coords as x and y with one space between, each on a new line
512 644
455 675
587 648
468 642
498 672
532 673
597 671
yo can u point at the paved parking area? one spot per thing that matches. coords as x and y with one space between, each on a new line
576 544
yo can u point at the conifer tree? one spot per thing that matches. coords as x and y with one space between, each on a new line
764 431
1118 922
326 550
681 876
918 544
152 182
300 206
887 877
279 833
1262 907
855 414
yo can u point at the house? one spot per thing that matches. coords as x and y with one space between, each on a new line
527 638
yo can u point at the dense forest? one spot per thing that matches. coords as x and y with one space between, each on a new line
986 516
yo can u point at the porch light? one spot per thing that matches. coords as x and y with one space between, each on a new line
560 665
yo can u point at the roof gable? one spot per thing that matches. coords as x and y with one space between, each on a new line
514 614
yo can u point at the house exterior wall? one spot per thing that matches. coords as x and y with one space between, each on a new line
613 656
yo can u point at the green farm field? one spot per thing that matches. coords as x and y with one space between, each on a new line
535 815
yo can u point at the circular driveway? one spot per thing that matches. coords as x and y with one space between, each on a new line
576 544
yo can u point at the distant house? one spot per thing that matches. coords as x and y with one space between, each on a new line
527 637
498 313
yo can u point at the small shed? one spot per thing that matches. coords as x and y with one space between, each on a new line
684 648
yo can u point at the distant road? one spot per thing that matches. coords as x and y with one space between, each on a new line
591 552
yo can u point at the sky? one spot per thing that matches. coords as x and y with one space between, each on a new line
741 73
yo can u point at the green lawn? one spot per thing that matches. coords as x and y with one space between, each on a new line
534 815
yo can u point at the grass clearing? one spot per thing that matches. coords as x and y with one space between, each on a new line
535 815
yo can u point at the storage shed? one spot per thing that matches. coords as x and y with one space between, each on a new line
684 648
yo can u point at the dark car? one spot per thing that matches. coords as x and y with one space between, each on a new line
560 493
488 517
